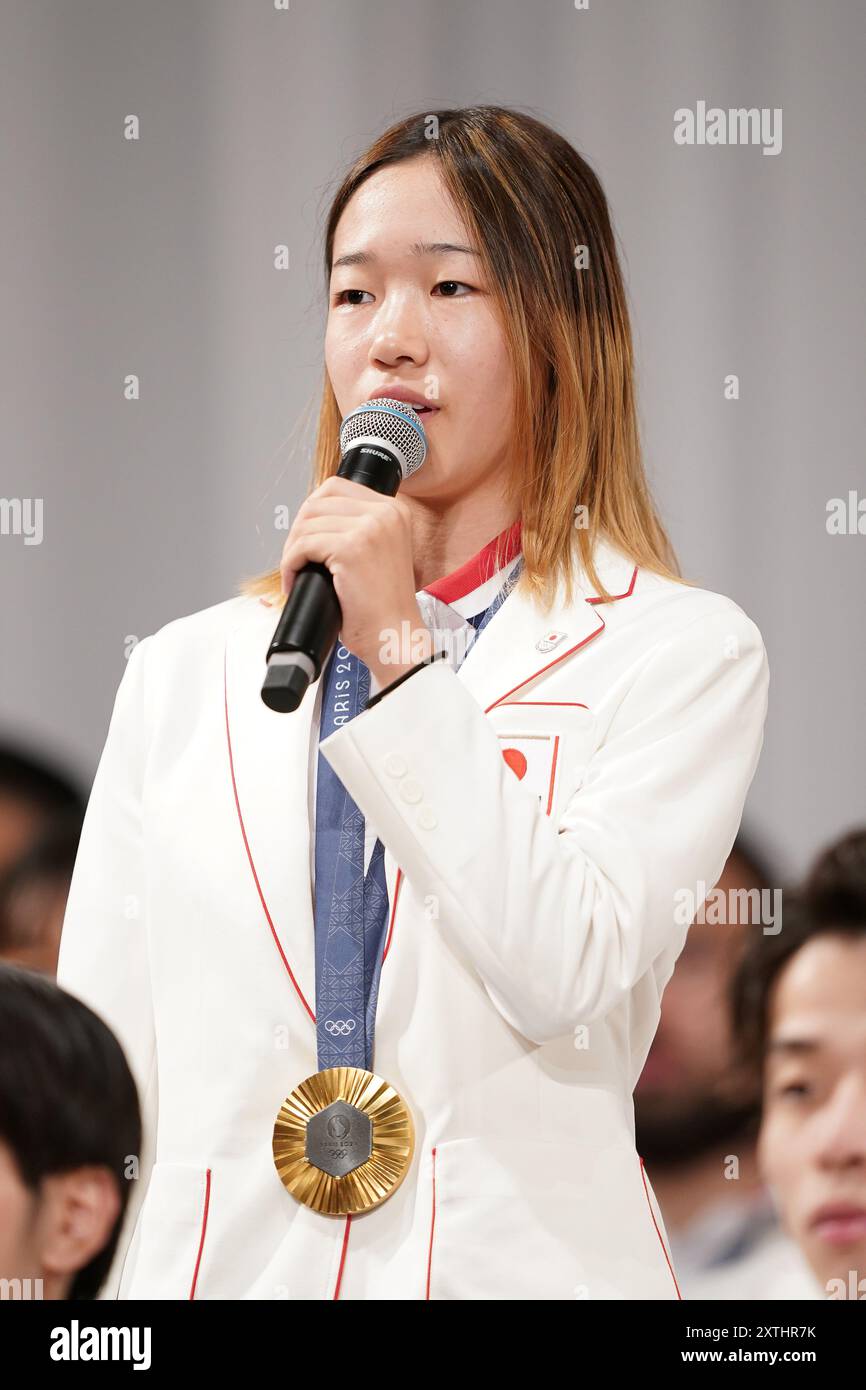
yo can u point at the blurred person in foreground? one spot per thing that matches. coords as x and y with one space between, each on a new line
70 1136
697 1114
32 794
33 894
41 813
799 1009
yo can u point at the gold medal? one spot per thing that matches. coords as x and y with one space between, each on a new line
343 1141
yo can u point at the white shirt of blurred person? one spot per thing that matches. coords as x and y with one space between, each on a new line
696 1123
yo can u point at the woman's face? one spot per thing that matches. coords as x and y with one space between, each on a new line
423 319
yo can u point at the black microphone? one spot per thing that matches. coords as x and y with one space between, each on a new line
381 443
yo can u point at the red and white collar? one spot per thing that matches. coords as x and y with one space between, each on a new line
471 587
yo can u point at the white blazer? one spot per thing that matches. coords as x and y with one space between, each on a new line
540 809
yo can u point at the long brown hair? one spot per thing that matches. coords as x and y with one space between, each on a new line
539 217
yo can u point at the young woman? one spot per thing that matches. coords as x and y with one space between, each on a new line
466 888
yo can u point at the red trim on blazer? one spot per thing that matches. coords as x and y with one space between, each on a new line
478 569
256 877
577 703
203 1229
504 698
552 775
397 885
627 593
432 1226
348 1227
658 1232
249 852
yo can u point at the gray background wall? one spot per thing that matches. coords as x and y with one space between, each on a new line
156 257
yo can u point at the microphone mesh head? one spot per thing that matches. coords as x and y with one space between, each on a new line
390 422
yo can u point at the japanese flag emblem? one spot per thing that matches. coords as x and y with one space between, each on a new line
550 640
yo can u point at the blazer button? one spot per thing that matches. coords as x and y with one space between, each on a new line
411 789
427 818
394 764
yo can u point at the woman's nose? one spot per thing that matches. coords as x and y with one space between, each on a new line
399 332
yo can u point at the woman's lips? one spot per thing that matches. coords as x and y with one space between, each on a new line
841 1228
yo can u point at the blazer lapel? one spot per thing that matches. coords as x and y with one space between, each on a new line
267 762
515 647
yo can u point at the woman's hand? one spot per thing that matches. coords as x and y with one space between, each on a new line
365 540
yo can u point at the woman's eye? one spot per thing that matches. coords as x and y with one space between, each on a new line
448 283
339 296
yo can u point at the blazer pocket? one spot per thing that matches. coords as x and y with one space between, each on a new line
535 1219
172 1233
547 745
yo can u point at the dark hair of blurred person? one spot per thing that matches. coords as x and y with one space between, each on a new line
70 1136
32 792
33 893
799 1010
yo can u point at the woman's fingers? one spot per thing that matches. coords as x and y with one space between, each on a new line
314 539
329 504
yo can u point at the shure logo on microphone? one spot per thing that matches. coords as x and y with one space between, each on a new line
366 449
